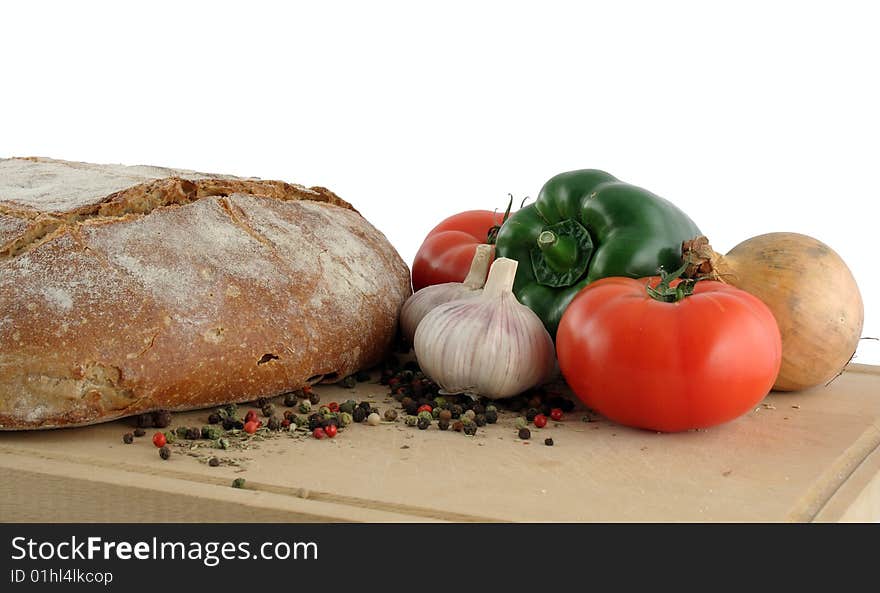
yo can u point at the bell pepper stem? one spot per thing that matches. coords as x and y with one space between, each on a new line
560 252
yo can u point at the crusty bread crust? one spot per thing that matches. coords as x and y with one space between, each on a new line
180 290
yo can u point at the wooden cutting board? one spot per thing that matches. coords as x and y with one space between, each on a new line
810 456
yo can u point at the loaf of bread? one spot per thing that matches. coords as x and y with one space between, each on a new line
130 289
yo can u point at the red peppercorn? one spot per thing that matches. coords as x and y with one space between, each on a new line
330 430
285 423
333 407
540 421
251 427
425 408
251 416
556 414
159 439
319 433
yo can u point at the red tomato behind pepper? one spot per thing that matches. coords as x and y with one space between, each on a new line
668 366
447 251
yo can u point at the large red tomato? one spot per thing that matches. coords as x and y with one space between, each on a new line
668 366
446 253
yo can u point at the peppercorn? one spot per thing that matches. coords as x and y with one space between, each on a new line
478 409
443 424
417 388
540 421
319 433
531 413
346 407
314 398
359 415
407 375
329 422
251 427
238 483
411 420
525 434
458 426
128 438
159 439
426 416
491 416
348 382
193 434
534 402
362 376
290 399
491 408
521 422
181 431
315 421
285 423
457 411
411 408
365 406
444 415
139 432
331 430
374 410
164 452
556 414
211 432
480 420
214 418
274 423
170 437
548 441
228 423
261 401
344 419
145 420
391 415
161 418
305 406
470 429
373 419
268 410
423 423
214 462
223 443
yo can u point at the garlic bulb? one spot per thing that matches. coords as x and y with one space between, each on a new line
488 345
420 304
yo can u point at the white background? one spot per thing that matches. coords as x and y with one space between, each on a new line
752 117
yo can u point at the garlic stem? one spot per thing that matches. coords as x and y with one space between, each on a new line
479 266
501 277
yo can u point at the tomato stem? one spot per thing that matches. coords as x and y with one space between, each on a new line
665 293
493 231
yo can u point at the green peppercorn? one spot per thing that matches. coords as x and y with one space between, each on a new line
213 462
300 420
521 422
411 420
427 416
164 452
238 483
128 438
211 432
491 408
223 443
182 431
347 407
435 412
470 429
344 419
440 401
423 423
391 415
525 434
305 406
170 436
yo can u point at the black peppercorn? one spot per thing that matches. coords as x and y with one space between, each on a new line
329 422
164 452
145 420
214 418
457 411
193 433
443 424
417 388
525 434
314 398
480 420
348 382
478 409
491 417
531 413
261 401
228 423
359 414
315 421
139 432
548 441
128 438
213 462
161 418
412 408
289 415
268 410
470 429
274 423
365 406
423 423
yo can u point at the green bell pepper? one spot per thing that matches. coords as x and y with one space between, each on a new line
587 225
